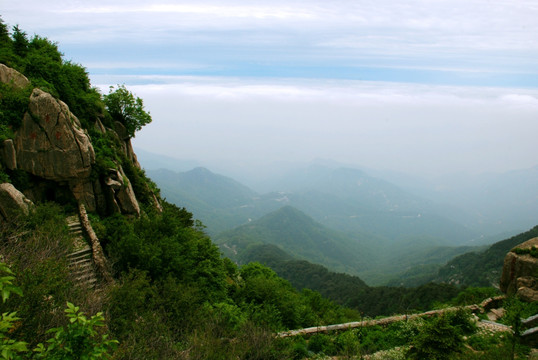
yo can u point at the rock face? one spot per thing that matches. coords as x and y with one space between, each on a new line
11 76
50 142
520 273
12 202
120 193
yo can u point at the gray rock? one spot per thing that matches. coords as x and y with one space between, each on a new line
519 274
12 202
50 142
12 76
9 156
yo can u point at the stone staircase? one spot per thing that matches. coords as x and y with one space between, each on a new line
80 260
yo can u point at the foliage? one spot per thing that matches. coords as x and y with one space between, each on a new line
35 247
9 347
79 340
166 244
348 343
143 187
13 105
482 269
124 107
42 63
350 290
533 251
436 340
474 295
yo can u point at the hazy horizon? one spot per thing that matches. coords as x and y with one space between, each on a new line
422 88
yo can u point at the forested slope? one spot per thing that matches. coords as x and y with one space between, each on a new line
482 268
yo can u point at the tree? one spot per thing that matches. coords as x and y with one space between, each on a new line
124 107
20 41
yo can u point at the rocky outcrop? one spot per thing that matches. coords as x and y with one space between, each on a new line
13 77
57 152
520 272
127 147
12 202
50 142
120 194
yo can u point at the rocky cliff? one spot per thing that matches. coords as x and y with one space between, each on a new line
520 271
54 154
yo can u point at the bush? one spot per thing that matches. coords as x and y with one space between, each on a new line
321 343
13 104
438 339
348 343
80 339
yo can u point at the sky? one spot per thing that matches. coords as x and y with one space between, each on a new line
423 87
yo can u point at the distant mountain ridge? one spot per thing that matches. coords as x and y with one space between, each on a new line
344 199
301 237
220 202
391 230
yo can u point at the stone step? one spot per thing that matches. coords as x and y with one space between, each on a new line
84 251
84 274
89 280
81 261
81 265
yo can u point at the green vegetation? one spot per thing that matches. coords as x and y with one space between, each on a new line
482 268
532 251
124 107
13 105
174 292
41 62
301 237
352 292
78 340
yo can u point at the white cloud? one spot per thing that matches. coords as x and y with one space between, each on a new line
416 128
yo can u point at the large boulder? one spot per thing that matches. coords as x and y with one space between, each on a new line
12 76
51 143
120 193
12 202
520 272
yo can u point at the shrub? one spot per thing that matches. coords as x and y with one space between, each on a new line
80 339
8 322
321 343
438 339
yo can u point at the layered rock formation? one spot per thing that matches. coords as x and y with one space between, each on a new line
520 272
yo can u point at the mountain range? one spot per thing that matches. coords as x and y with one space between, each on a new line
339 217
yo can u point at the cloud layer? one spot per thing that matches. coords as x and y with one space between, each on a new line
359 81
476 41
421 129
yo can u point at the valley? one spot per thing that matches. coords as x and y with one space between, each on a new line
383 233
